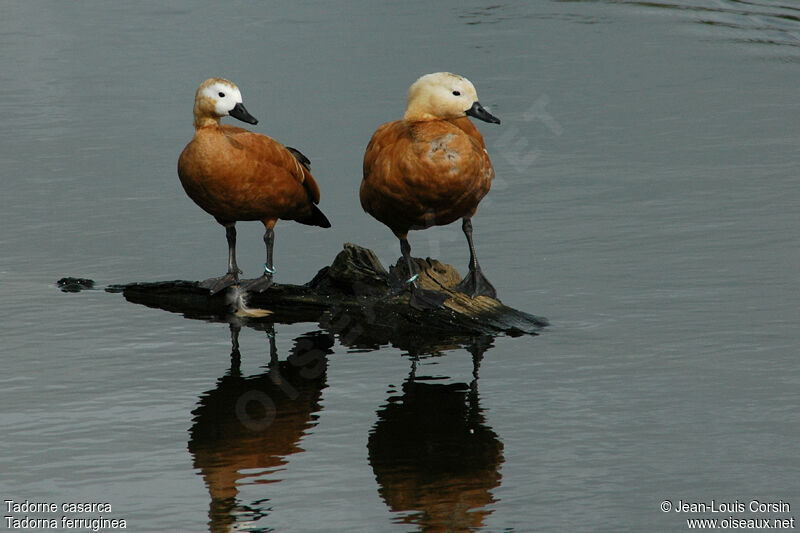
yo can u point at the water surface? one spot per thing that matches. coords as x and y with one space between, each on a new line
646 202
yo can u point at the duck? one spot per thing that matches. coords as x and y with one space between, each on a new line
431 168
235 175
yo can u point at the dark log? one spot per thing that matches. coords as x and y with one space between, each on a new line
355 297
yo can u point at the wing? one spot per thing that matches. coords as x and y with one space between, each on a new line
277 159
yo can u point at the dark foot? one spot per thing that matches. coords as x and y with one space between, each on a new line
398 286
214 285
425 299
476 284
257 285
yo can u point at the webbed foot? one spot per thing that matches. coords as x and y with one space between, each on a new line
259 284
475 284
215 285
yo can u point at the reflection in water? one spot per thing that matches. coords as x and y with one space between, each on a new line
246 426
434 458
433 455
368 332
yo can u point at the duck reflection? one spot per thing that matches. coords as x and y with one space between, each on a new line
246 427
434 457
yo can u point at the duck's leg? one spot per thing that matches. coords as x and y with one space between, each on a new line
264 282
474 283
420 298
214 285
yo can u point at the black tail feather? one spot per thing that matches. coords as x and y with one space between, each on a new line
317 218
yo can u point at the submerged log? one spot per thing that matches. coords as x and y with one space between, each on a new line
354 292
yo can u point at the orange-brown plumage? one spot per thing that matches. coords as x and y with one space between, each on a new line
430 169
419 174
235 174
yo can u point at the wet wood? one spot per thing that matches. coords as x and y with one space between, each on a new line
355 291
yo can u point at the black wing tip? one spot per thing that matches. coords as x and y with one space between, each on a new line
300 156
321 220
317 218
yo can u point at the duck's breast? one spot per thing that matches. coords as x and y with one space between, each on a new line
424 173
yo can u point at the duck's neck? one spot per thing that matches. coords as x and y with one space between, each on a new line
416 112
204 121
416 115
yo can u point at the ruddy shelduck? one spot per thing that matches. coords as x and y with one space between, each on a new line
430 169
235 174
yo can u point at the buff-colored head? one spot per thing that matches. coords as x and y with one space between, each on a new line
443 95
217 98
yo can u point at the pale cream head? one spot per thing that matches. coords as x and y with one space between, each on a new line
440 95
217 98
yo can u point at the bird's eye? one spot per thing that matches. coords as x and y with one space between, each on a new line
456 93
221 95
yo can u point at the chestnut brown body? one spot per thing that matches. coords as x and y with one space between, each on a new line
425 173
234 174
430 169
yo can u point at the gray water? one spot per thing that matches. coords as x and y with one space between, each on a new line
647 202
